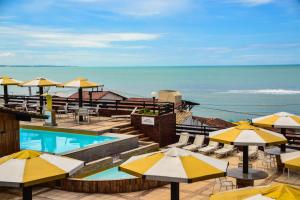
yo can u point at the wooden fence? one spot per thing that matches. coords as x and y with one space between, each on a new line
194 129
159 107
293 138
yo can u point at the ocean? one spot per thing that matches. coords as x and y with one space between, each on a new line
228 92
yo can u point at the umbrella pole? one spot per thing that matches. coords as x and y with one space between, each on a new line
283 132
5 95
80 102
174 191
41 99
245 159
27 193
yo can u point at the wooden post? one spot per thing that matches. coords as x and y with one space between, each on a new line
245 159
5 95
174 191
80 102
91 98
27 193
283 146
153 98
116 104
41 99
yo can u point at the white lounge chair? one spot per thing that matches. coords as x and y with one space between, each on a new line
198 143
84 113
124 116
183 140
210 148
225 151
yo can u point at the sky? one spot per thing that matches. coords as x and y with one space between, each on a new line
149 32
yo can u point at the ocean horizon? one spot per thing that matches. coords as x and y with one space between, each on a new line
230 92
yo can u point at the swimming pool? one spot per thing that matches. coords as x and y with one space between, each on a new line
109 174
58 142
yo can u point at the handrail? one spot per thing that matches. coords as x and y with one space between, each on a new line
160 107
195 129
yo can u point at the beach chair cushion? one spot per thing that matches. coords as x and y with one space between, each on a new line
183 140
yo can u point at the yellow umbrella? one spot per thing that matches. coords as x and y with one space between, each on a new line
40 83
175 165
291 160
27 168
5 81
80 83
245 135
282 120
275 191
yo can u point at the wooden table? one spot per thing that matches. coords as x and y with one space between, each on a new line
246 180
276 151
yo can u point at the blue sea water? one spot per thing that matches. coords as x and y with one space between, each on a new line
57 142
229 92
109 174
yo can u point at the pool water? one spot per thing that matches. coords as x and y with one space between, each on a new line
57 142
109 174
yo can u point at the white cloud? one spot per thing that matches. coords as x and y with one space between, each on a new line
138 7
6 54
253 2
33 36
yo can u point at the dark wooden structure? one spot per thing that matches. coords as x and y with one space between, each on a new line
162 131
109 186
107 105
10 129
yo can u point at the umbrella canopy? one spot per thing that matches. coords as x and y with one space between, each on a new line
278 120
175 165
276 191
80 83
39 82
245 134
291 160
6 80
27 168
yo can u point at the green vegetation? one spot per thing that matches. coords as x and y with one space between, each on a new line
147 111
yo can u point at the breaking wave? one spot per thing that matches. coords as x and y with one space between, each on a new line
264 91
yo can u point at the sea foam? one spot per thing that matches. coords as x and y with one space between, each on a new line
264 91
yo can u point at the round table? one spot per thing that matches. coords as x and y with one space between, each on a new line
276 151
246 180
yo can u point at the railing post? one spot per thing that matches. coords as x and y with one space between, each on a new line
158 109
117 104
173 107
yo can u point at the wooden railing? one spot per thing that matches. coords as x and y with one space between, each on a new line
293 140
194 129
159 107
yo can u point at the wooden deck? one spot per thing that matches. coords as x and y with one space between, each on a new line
97 124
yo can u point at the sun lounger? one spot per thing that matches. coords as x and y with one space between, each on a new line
198 143
210 148
183 140
124 116
225 151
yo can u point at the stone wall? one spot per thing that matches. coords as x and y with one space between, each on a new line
163 131
95 152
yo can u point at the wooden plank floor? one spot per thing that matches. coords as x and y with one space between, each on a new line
96 123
